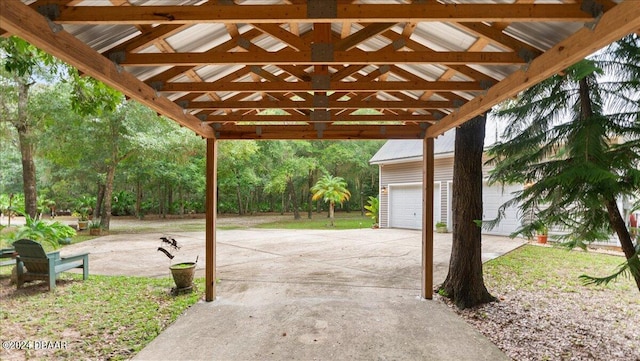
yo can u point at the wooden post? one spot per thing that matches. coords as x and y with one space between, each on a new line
427 219
211 205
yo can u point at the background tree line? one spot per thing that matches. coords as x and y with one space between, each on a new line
69 142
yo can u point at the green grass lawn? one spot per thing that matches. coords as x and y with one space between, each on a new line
538 268
101 318
320 221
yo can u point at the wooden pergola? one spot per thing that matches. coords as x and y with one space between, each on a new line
306 69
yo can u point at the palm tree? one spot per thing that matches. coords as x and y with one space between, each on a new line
575 138
331 189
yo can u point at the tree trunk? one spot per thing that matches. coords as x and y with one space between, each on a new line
331 213
309 195
284 204
615 219
28 173
105 216
27 148
239 198
464 283
294 199
361 195
618 225
160 199
97 210
138 198
247 203
169 198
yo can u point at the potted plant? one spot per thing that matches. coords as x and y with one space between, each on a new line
182 272
441 227
84 208
83 218
95 227
542 233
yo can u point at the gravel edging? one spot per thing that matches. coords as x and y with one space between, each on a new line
556 325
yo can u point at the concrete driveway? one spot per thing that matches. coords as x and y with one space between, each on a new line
305 295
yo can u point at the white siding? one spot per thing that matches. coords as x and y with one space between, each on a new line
495 196
411 173
395 178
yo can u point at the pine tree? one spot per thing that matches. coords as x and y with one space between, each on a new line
574 140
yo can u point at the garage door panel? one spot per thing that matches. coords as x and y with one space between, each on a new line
405 204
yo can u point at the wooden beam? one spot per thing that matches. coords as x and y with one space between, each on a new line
224 47
350 104
363 13
363 34
338 58
211 202
283 35
427 218
460 68
496 35
34 28
346 71
258 118
266 132
146 38
333 86
613 25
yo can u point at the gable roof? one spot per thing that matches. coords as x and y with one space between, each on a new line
401 151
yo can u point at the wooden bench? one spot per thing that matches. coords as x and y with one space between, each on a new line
10 254
33 263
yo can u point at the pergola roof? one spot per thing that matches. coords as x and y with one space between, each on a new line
320 69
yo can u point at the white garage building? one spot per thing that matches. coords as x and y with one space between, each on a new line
400 163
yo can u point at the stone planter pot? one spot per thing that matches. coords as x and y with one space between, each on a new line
82 225
183 274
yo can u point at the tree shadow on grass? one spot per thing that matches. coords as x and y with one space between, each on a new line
8 290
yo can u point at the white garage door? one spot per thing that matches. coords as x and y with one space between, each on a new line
405 206
492 198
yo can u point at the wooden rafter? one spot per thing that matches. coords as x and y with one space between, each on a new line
292 104
338 58
621 20
328 131
252 118
332 86
33 27
344 13
358 37
497 36
294 41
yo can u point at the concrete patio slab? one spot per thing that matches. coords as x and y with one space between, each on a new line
305 295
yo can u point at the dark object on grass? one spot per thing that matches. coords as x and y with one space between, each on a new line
172 242
165 252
